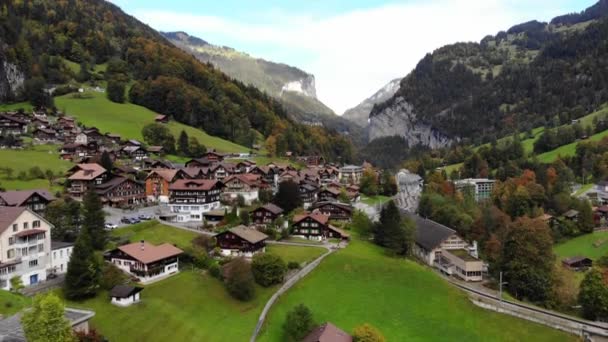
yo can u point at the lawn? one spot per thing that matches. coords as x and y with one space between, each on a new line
583 246
43 156
127 119
375 200
189 306
298 254
406 301
12 303
156 233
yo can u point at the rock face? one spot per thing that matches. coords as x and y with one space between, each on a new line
360 113
11 80
400 119
304 86
410 190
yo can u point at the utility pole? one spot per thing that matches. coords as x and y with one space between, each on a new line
500 284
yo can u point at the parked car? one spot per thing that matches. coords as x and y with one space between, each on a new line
111 226
125 220
145 217
134 220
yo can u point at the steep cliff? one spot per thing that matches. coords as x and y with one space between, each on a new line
360 113
11 80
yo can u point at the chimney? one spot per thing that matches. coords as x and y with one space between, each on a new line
141 244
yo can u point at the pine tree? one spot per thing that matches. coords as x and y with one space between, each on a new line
183 146
82 278
94 220
106 161
288 196
585 218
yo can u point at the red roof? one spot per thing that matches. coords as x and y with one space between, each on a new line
8 215
322 219
194 184
88 172
29 232
148 253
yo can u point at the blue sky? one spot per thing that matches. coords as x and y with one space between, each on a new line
353 47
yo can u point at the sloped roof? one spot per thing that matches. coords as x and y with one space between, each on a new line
18 197
320 218
166 174
87 172
194 184
8 215
248 234
273 208
124 291
430 234
327 332
150 253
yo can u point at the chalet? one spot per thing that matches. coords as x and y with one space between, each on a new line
45 134
222 170
289 175
146 261
578 263
308 194
81 138
199 162
11 329
162 119
327 332
125 295
133 142
158 182
35 200
40 122
151 164
316 226
432 240
156 150
241 241
244 166
571 215
190 198
11 125
124 170
21 115
336 211
121 192
311 160
66 120
328 195
246 185
214 157
93 134
268 174
197 172
351 174
266 214
214 217
134 152
73 151
113 138
329 175
353 194
82 177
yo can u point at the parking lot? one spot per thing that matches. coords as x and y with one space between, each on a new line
114 215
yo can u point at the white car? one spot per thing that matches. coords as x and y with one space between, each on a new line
111 226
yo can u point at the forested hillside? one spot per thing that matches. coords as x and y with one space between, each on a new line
41 38
532 74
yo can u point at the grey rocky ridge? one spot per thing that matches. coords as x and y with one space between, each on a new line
11 79
360 113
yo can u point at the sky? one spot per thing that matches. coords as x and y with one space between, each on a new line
353 47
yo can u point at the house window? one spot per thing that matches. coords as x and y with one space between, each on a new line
25 225
36 224
54 255
61 253
10 253
11 241
40 248
24 251
15 227
33 263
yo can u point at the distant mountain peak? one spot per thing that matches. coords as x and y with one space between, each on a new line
184 37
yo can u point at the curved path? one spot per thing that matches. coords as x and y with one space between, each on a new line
289 283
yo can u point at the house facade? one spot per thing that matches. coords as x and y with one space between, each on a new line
246 185
481 188
351 174
36 200
158 182
241 241
266 214
25 246
60 256
189 199
121 191
335 210
11 125
145 261
316 226
84 177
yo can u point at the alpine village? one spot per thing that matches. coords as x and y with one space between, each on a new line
156 187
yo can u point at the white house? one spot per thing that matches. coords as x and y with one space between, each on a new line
189 199
60 256
25 246
146 261
124 295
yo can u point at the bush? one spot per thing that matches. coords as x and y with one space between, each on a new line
215 271
239 279
197 256
268 269
204 241
271 232
116 91
112 276
298 324
367 333
35 172
293 265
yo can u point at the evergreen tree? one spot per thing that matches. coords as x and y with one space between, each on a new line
116 91
593 296
45 321
298 324
83 73
183 144
195 148
94 219
585 218
288 196
64 214
394 232
106 161
83 276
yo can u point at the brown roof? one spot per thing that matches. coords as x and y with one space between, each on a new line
28 232
150 253
194 171
166 174
250 235
315 216
193 184
273 208
17 198
342 232
327 332
246 178
155 149
8 215
88 172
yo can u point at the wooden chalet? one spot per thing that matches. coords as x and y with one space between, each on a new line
73 151
145 261
315 226
11 125
158 182
134 152
162 119
121 192
93 134
246 185
44 134
578 263
198 162
113 138
156 150
328 195
327 332
221 170
241 241
150 164
335 210
308 193
214 157
266 214
82 177
36 200
197 172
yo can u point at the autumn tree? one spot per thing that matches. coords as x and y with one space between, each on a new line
367 333
369 183
593 296
45 321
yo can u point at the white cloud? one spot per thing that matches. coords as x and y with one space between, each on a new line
354 54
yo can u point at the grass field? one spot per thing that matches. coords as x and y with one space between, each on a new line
128 119
567 150
583 246
43 156
375 200
156 233
295 253
189 306
11 303
406 301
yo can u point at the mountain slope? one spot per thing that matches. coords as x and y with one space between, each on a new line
360 113
532 74
40 36
294 88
